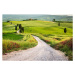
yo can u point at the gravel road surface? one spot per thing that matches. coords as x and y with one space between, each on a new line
41 52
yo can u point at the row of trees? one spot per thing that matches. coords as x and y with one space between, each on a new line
20 28
55 21
9 22
29 19
65 30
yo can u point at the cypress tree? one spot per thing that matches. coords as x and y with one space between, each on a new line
22 29
65 30
20 26
53 20
58 23
15 27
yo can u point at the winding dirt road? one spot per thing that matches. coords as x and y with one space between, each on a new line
42 52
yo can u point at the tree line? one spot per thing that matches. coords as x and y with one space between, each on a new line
65 29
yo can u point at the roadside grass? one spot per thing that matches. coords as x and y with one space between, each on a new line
21 42
9 45
67 47
64 45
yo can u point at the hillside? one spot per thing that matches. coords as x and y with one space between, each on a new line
39 17
48 31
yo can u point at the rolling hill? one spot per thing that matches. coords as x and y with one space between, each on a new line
15 17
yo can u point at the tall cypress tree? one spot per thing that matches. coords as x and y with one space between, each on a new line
15 27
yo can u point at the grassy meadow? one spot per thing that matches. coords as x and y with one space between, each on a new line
13 41
48 31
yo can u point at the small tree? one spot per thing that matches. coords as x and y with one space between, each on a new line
17 24
65 30
58 23
22 29
53 20
15 27
8 21
20 26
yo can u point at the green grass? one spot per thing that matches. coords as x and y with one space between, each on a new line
8 28
24 41
48 31
45 27
67 47
12 36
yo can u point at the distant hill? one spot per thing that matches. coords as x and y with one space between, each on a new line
56 17
39 17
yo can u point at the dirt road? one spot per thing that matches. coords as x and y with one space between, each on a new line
42 52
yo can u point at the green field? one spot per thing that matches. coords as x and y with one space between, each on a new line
48 31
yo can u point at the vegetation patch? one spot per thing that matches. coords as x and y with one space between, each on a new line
57 38
12 36
67 47
20 42
9 45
